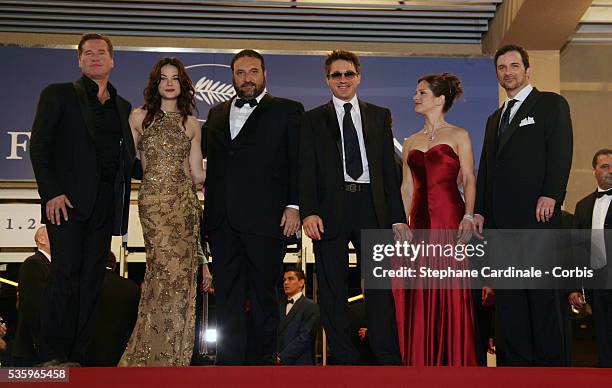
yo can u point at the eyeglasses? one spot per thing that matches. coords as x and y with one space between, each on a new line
337 76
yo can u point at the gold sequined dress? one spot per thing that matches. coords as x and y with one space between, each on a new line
170 215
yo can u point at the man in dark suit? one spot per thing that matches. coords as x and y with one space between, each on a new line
299 322
82 153
33 274
251 146
595 213
522 178
117 313
348 182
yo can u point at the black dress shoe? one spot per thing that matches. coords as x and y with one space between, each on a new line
57 363
50 363
69 364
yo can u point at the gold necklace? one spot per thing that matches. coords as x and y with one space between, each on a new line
430 132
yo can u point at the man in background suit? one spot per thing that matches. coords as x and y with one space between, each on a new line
82 153
348 182
522 178
33 274
594 212
299 321
117 313
251 146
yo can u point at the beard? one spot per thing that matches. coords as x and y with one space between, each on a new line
513 83
248 90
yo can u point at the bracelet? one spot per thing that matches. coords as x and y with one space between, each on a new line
468 217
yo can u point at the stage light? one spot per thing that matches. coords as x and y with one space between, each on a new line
211 335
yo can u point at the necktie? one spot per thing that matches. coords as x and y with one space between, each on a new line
505 120
289 301
602 193
240 102
352 153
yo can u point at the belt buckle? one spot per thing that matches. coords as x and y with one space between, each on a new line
352 187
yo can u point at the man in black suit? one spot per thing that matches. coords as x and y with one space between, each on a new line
117 313
33 274
299 321
251 146
522 178
82 153
348 182
595 213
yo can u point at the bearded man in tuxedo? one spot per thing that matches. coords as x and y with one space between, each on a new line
595 213
250 208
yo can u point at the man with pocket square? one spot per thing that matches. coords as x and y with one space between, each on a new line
522 178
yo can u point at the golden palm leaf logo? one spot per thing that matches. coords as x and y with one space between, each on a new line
210 90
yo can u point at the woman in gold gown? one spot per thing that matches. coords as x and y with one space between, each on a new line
168 144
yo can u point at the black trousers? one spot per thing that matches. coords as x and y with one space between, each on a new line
601 300
332 274
78 254
534 328
483 326
246 265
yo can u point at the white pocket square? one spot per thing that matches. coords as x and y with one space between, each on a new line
527 121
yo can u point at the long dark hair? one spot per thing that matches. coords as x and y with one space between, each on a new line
185 101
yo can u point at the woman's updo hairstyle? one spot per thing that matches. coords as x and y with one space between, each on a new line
444 84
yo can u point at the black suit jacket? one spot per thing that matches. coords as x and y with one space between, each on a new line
322 173
63 153
297 332
583 216
32 281
583 219
527 162
252 178
117 313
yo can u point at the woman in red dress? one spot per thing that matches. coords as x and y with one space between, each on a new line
436 318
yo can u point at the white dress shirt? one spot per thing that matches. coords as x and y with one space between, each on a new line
239 116
356 116
598 243
520 98
294 298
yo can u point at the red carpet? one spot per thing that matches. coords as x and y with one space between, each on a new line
371 377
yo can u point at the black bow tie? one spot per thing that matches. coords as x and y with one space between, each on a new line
290 301
240 102
602 193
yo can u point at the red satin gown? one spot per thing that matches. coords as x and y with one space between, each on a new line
436 326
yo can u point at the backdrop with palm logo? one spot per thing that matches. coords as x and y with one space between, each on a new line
386 80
